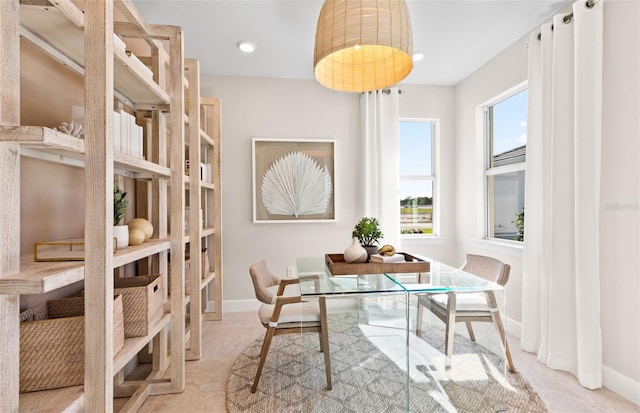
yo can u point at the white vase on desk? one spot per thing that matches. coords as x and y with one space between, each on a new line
121 234
355 252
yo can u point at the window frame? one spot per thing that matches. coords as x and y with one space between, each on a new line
433 178
488 170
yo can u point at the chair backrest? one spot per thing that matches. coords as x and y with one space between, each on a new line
262 279
488 268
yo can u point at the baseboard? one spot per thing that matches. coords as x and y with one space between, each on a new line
621 384
513 327
240 306
611 379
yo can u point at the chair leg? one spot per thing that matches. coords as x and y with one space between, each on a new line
419 319
470 330
451 322
324 340
497 322
263 356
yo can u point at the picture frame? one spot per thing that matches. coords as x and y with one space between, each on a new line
293 180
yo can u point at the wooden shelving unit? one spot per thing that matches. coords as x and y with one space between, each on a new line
82 37
204 231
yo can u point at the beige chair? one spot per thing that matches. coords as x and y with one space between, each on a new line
284 312
468 307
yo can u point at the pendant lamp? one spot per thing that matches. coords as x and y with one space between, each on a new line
363 45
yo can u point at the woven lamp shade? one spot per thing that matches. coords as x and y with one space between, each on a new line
363 45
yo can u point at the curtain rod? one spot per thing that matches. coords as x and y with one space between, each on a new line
567 19
385 91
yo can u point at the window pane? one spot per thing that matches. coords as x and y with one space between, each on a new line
509 130
415 148
505 194
416 207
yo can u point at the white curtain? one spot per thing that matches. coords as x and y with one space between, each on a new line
561 277
380 116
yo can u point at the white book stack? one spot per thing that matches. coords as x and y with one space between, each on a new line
127 135
208 171
117 135
386 258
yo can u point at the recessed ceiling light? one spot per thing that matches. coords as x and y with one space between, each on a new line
246 46
417 56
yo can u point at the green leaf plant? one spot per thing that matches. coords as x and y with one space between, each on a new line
119 204
368 232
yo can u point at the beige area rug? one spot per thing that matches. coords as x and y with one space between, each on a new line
369 365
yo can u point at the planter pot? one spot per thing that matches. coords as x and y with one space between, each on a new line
121 234
370 251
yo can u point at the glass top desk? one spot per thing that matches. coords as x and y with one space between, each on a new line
382 308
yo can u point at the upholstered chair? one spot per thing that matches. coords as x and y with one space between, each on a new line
284 312
469 307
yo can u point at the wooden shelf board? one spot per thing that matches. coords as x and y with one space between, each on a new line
140 166
41 137
60 145
47 22
133 82
137 252
41 277
204 137
133 345
207 185
208 231
66 399
206 281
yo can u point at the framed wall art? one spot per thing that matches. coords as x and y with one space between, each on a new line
293 180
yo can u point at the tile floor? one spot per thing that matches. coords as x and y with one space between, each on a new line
224 340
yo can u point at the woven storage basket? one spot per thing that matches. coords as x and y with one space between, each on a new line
52 343
141 303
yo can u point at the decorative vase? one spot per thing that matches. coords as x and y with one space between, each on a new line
355 252
121 234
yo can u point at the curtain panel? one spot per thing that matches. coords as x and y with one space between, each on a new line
561 276
380 117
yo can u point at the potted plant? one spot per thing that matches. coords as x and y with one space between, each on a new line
368 233
120 232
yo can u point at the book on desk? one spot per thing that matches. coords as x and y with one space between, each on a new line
386 258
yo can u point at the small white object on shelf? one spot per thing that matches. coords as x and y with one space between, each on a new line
71 128
386 258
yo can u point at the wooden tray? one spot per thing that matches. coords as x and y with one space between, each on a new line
337 265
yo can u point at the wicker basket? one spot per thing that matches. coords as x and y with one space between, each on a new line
52 343
141 303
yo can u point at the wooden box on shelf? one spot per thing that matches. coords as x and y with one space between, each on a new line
52 343
338 266
70 249
141 303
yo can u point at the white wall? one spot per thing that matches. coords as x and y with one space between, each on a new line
436 102
620 223
620 199
277 108
504 72
302 109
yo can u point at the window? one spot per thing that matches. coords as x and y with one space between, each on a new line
417 177
506 144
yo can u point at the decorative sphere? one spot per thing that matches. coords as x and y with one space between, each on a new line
136 237
142 225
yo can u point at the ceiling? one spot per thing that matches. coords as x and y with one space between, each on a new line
456 36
